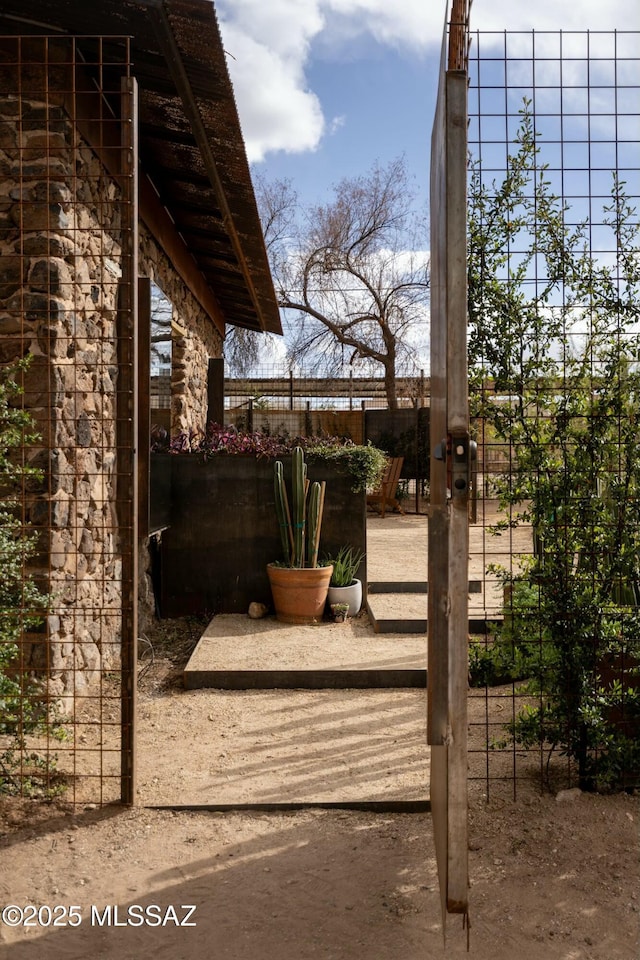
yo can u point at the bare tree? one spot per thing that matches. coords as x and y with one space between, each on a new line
352 275
245 349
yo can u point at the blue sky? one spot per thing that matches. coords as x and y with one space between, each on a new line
325 88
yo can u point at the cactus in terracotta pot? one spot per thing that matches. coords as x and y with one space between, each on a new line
299 526
299 585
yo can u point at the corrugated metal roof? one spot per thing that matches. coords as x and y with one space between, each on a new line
191 145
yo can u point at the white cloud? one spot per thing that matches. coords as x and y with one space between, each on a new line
410 24
269 45
550 15
276 109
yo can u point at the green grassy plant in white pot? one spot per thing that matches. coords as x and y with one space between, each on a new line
344 586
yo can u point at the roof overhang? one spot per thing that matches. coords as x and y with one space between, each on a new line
192 154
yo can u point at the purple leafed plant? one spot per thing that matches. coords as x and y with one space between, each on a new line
228 440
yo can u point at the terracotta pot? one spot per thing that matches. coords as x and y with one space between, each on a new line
299 593
351 595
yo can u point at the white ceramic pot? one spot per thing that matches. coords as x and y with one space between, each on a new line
351 595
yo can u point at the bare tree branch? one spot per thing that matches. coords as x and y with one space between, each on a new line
351 274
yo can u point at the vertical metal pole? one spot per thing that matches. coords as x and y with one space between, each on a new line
143 328
127 433
215 391
417 471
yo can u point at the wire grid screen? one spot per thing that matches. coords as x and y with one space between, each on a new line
62 230
277 401
554 122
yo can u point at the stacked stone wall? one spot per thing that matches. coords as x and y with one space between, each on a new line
60 227
194 340
59 273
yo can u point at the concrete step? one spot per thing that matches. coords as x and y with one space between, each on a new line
401 607
236 653
403 612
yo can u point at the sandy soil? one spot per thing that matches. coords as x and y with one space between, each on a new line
550 880
553 876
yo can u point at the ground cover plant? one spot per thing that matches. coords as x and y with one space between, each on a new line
555 376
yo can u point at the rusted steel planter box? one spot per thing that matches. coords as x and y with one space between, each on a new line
160 465
223 531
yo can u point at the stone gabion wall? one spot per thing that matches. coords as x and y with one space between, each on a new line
60 223
194 341
59 272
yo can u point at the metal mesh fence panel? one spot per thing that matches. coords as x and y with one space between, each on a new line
67 232
554 184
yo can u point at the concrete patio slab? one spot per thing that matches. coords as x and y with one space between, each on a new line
236 652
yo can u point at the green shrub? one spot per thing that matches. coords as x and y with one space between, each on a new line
24 709
364 462
563 360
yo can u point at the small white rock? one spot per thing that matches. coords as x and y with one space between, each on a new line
257 611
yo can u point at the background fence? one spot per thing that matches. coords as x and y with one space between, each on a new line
351 407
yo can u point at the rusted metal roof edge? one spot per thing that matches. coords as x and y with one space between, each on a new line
171 50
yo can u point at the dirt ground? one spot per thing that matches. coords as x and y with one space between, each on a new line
553 876
550 880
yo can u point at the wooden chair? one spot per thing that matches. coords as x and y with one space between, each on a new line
385 495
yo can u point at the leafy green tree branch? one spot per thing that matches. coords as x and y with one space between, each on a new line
554 355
